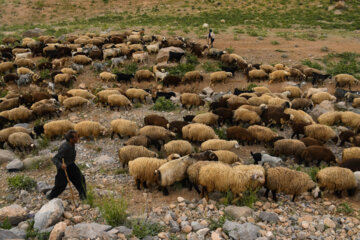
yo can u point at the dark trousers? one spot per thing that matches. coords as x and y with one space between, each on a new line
75 177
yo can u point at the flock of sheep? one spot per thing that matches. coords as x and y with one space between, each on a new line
247 115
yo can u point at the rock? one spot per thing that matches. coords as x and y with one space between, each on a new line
238 212
6 156
202 233
18 232
163 235
357 176
6 234
269 217
305 224
180 199
43 187
104 159
58 232
33 162
323 107
174 226
77 219
197 226
301 235
266 205
241 231
49 214
124 230
163 54
15 165
205 25
14 213
329 223
68 215
207 91
186 229
31 33
215 236
341 106
88 231
222 21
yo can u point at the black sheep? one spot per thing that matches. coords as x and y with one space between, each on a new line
176 126
231 69
171 80
38 130
166 95
225 115
124 77
216 105
256 156
188 118
11 77
317 76
238 91
207 155
175 56
353 164
345 136
3 122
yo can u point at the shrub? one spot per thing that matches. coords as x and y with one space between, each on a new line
137 105
3 93
163 104
45 74
345 208
142 229
311 64
90 196
191 59
211 66
5 224
312 172
181 69
130 68
43 142
275 43
113 210
346 62
31 233
220 132
249 197
251 86
217 223
229 49
21 182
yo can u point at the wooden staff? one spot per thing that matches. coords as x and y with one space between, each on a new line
71 190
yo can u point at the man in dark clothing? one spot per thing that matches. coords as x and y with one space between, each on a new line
211 38
68 153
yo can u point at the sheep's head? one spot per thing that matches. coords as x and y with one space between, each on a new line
315 192
173 156
258 176
213 156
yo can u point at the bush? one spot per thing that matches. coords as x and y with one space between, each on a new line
249 197
211 66
181 69
163 104
137 105
311 64
229 50
3 93
90 196
113 210
220 132
142 229
31 233
130 68
251 86
275 43
5 224
45 74
217 223
312 172
345 208
192 59
21 182
43 142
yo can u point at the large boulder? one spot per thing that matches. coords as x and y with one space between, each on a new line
89 231
6 234
14 213
34 162
6 156
163 54
15 165
58 232
36 32
323 107
238 212
246 231
49 214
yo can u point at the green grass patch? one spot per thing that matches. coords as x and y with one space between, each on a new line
346 62
43 142
275 43
229 50
163 104
5 224
142 229
251 86
192 59
312 171
215 223
249 197
345 208
32 233
137 105
311 64
113 210
21 182
121 171
130 68
220 132
211 66
181 69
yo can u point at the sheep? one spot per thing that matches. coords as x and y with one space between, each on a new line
261 158
261 134
337 179
6 67
44 108
180 147
312 91
345 79
238 60
25 62
6 132
154 119
8 104
319 76
295 92
192 76
219 144
207 155
316 154
171 80
81 93
140 56
175 56
23 71
166 95
209 119
235 102
346 136
57 128
129 153
193 173
107 76
244 115
82 59
351 119
144 75
104 94
267 68
257 74
321 132
89 129
296 74
317 98
188 118
254 173
300 116
153 48
224 114
157 134
64 78
191 99
171 172
19 114
11 77
198 132
215 53
219 76
142 170
72 102
20 140
138 141
115 62
124 77
349 153
330 118
176 126
134 93
278 75
288 181
123 127
353 164
356 103
288 147
69 71
240 134
278 102
226 156
119 100
302 104
308 141
159 74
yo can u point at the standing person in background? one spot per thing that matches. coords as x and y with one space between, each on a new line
211 38
67 153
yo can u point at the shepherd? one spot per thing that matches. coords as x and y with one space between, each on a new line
211 38
64 160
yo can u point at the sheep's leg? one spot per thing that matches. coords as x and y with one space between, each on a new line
338 193
351 192
293 199
112 135
145 185
138 184
119 135
165 191
267 193
274 195
190 186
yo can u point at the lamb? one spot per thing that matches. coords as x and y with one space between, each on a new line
119 100
123 127
226 156
345 79
288 147
129 153
72 102
82 59
317 98
159 75
261 134
104 94
81 93
111 52
19 114
107 76
115 62
20 140
172 172
157 134
134 93
57 128
288 181
257 74
261 158
219 144
180 147
350 153
198 132
308 141
244 115
89 129
191 99
337 179
316 154
353 164
302 104
240 134
77 67
192 76
153 48
154 119
219 76
6 132
209 119
140 56
321 132
138 141
330 118
278 75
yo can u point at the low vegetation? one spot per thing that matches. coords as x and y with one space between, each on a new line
21 182
163 104
113 210
142 229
